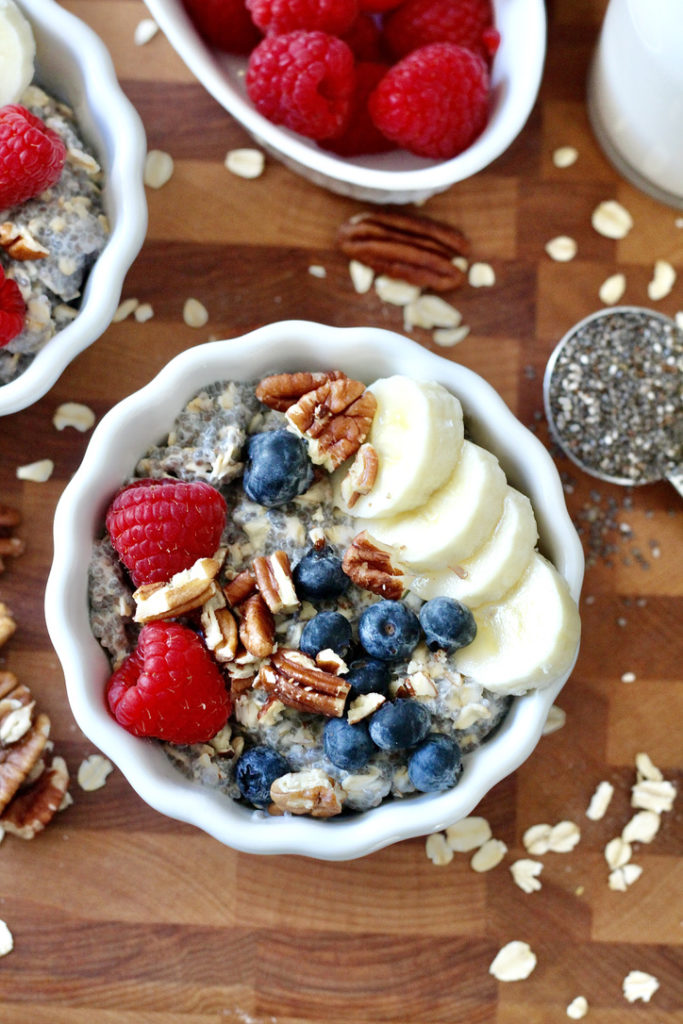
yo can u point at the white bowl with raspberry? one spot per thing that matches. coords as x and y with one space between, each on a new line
395 176
73 65
138 422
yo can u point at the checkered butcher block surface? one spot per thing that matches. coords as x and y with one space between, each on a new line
121 915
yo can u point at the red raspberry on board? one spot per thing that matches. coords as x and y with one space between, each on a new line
434 102
279 16
169 688
225 24
304 81
12 309
31 156
160 527
420 22
361 136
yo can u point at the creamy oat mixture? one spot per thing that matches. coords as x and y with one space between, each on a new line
67 220
206 443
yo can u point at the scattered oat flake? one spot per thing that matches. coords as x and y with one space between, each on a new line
642 828
513 962
398 293
6 940
38 472
653 795
555 720
646 769
617 853
537 839
315 270
93 772
127 307
489 855
620 879
561 249
446 337
612 289
245 163
438 850
73 414
611 219
461 263
195 314
578 1008
481 275
144 312
158 168
145 31
429 311
563 837
525 873
600 801
663 280
468 834
565 156
628 677
639 985
362 276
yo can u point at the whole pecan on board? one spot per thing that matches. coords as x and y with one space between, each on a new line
406 247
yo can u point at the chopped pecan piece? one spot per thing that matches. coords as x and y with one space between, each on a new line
16 712
186 590
335 420
17 760
284 389
9 546
7 624
274 579
369 564
363 706
307 792
19 243
406 247
239 589
361 476
31 810
220 628
296 680
257 626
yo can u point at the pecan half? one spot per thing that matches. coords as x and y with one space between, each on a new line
335 420
406 247
307 792
274 579
257 626
296 680
369 564
19 243
30 811
361 476
17 760
284 389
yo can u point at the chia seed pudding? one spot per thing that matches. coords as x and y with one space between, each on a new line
207 443
67 220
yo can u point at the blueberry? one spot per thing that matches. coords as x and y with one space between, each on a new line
326 630
257 769
388 630
447 624
399 725
435 764
347 746
368 675
277 468
319 574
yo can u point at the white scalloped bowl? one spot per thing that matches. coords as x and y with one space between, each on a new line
73 64
395 177
141 420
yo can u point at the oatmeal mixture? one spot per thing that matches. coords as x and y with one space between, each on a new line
68 221
207 443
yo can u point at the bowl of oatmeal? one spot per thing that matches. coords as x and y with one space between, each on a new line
434 427
91 224
395 176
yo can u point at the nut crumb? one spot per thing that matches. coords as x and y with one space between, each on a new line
514 962
628 677
361 276
646 769
565 156
93 772
639 985
245 163
73 414
555 720
315 270
144 312
159 168
145 31
195 314
578 1008
38 472
124 310
481 275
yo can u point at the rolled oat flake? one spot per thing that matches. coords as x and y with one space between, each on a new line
613 393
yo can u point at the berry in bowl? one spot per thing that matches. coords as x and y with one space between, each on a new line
384 102
315 607
72 206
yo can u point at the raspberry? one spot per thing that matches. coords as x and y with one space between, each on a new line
304 81
31 156
420 22
434 102
159 527
169 688
361 136
365 39
12 309
279 16
225 24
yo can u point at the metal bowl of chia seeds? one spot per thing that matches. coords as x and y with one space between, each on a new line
614 398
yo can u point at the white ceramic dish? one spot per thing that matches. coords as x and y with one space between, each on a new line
395 177
73 64
140 420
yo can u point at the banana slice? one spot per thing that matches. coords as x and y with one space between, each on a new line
17 52
417 432
528 639
455 520
495 567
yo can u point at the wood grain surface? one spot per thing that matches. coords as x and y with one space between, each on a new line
121 915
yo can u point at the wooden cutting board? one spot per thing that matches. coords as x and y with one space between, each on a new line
121 915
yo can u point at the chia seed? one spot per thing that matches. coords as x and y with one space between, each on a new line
614 396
